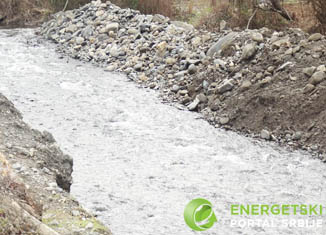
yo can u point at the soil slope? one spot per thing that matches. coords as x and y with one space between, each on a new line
34 179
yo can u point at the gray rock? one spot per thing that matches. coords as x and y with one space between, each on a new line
315 37
183 92
183 25
281 42
321 68
297 135
205 84
48 136
192 69
138 66
215 104
79 40
264 134
160 19
175 88
246 84
88 32
317 78
71 28
308 88
249 51
196 41
193 105
112 27
220 63
110 68
227 85
202 98
309 71
114 51
170 61
222 44
258 37
133 31
180 74
224 120
17 166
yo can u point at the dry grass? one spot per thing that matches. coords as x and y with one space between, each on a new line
4 166
164 7
32 12
201 13
21 12
209 13
319 9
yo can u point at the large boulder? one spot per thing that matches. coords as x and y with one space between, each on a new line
222 44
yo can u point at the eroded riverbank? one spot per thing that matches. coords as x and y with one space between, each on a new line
34 173
137 162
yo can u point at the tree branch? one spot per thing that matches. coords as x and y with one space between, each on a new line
65 5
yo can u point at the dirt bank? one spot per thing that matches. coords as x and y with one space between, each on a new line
35 177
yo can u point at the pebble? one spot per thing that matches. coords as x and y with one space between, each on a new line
249 51
227 85
308 88
79 40
258 37
192 69
193 105
224 120
264 134
317 78
246 84
315 37
175 88
309 71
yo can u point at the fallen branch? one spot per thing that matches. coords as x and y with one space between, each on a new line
65 5
250 19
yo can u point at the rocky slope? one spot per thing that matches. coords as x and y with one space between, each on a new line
35 177
260 82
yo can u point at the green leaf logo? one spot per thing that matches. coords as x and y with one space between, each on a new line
199 214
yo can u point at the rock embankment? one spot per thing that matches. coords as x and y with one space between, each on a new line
35 177
260 82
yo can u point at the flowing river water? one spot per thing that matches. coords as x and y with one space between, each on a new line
138 162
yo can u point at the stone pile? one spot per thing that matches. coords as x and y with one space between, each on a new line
199 69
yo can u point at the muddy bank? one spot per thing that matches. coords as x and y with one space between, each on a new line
263 83
35 178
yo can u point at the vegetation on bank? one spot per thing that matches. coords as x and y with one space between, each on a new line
32 12
310 15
